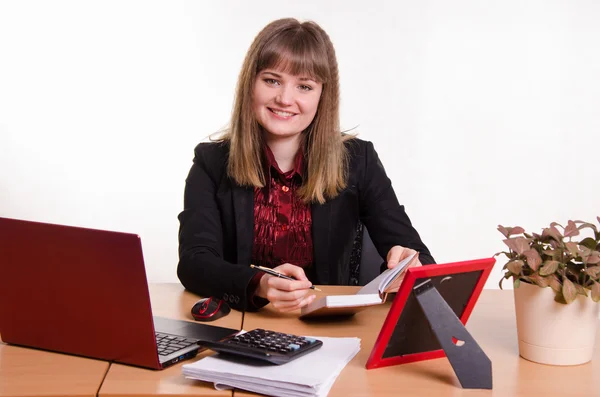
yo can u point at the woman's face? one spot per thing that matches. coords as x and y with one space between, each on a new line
285 104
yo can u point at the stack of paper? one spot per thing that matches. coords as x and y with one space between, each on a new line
310 375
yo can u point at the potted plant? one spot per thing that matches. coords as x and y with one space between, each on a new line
556 279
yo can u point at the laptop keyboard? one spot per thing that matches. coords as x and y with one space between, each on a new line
168 344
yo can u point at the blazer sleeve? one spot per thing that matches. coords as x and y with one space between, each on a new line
202 268
385 219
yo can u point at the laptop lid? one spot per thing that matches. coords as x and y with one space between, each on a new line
78 291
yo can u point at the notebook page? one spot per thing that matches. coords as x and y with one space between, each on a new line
379 283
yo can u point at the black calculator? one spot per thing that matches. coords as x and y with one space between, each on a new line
274 347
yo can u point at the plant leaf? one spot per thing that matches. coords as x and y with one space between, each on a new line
569 291
510 255
580 290
539 280
573 248
559 298
554 254
517 244
588 242
593 259
583 225
549 267
515 266
516 283
552 232
509 231
596 292
533 258
571 229
554 283
593 272
504 231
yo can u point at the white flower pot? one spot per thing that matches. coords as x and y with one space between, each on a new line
554 333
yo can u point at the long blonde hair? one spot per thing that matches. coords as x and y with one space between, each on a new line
295 48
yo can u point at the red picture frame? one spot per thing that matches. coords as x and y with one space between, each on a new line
405 336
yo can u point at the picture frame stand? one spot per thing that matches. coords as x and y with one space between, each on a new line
470 364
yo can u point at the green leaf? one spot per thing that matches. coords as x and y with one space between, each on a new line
559 298
569 291
588 242
549 267
515 266
596 292
516 283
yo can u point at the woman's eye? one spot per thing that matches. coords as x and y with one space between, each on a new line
305 87
271 81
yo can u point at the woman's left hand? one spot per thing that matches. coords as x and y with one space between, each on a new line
397 253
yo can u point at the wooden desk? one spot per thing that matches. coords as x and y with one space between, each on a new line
168 300
492 324
30 372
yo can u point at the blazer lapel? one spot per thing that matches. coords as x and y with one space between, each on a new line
243 207
321 241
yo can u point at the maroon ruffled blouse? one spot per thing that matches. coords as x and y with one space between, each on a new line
282 222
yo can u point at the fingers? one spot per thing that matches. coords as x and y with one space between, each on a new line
286 290
396 254
292 270
289 295
288 306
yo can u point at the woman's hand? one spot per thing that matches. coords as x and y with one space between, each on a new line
398 253
286 295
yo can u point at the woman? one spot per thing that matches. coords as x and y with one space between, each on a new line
283 187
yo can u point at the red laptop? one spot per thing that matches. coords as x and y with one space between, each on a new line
84 292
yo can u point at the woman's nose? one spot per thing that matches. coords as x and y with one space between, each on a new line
285 96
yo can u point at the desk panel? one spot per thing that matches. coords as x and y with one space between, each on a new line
30 372
492 324
172 301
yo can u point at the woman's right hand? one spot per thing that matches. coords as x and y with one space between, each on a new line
286 295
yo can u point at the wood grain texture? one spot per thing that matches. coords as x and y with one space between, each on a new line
172 301
493 326
30 372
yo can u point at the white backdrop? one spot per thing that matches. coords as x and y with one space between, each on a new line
483 113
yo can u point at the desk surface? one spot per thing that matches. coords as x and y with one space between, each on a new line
168 300
30 372
492 324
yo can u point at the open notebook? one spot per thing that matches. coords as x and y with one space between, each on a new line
371 294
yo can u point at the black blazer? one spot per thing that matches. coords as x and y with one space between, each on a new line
217 224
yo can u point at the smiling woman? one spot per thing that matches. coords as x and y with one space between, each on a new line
285 105
283 187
